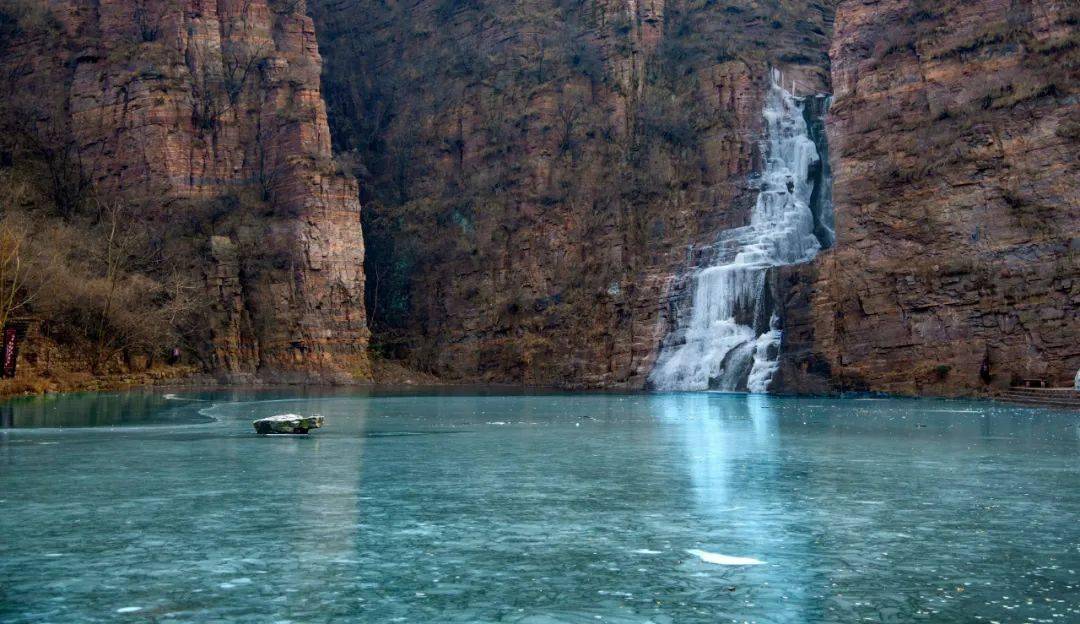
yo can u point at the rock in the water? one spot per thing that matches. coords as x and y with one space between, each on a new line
287 423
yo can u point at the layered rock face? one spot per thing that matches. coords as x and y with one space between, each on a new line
541 176
215 105
954 137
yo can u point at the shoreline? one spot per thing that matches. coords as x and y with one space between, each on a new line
168 380
387 376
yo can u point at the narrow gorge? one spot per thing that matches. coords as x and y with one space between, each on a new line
599 194
536 208
540 179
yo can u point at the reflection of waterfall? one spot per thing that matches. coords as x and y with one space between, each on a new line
744 504
731 336
720 432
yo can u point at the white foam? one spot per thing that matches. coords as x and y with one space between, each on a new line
128 609
727 560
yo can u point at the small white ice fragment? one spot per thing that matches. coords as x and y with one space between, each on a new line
128 609
646 551
719 559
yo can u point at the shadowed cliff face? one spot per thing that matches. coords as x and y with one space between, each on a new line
954 148
539 176
211 112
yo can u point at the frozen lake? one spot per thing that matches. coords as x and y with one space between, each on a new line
662 508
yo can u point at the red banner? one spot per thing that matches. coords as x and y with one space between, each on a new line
11 351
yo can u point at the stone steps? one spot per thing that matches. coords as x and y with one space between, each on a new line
1064 398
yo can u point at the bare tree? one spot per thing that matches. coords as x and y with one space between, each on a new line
118 248
15 291
27 260
35 126
240 60
112 295
569 112
216 87
149 17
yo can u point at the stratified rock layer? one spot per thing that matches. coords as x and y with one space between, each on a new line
954 138
187 101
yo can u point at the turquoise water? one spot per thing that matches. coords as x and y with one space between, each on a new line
539 509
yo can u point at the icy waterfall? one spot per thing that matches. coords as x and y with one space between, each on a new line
730 338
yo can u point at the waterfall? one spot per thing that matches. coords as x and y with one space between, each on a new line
730 339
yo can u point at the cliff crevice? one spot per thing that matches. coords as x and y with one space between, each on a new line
539 177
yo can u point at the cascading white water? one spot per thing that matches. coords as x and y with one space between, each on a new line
717 345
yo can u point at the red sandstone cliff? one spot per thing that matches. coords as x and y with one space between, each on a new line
185 104
954 139
540 177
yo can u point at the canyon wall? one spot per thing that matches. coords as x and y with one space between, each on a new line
954 139
539 177
209 114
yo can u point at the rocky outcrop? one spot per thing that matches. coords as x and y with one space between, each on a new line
954 150
287 424
211 112
541 175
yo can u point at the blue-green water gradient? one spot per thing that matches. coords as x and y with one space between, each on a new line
538 509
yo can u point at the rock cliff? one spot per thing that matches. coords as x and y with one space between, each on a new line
213 110
539 176
954 149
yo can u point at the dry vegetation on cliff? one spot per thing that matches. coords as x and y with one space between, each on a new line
172 158
86 267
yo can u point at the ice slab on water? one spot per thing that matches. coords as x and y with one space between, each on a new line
718 559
